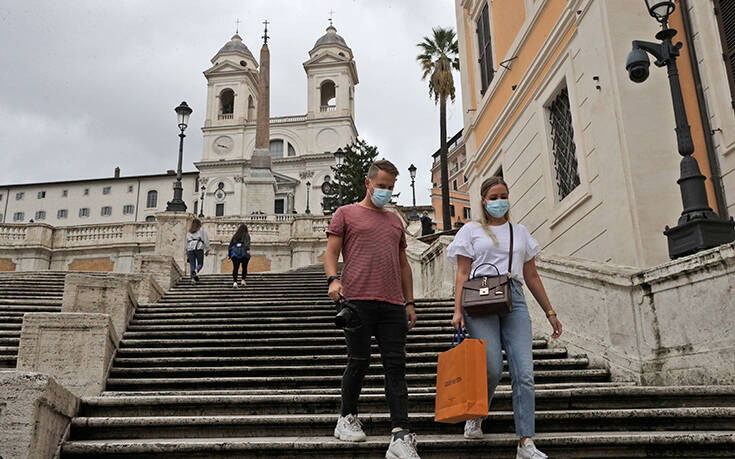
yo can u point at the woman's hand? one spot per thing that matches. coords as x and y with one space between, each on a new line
556 325
206 253
458 321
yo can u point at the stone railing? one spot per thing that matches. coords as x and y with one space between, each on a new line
225 116
328 108
12 232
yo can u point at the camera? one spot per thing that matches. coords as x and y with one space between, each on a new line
637 65
347 316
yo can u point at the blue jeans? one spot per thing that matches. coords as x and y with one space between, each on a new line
196 261
511 332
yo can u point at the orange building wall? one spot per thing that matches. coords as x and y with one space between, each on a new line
694 116
507 17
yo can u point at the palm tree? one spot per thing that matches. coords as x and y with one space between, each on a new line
438 57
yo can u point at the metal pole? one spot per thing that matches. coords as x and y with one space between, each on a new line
308 185
177 204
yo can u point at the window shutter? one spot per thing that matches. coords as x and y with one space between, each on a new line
725 13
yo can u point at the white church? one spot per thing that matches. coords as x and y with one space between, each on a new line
300 149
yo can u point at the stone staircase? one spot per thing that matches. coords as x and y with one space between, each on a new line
215 372
21 293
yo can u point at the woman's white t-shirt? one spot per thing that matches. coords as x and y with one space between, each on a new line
472 241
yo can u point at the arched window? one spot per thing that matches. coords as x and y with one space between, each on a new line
226 103
291 150
152 200
150 218
276 148
251 108
328 96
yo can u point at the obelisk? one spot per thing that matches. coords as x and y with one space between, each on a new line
260 184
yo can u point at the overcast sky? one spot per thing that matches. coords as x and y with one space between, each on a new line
88 85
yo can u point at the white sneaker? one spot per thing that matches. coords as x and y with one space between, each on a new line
473 428
244 283
404 448
349 428
234 285
529 451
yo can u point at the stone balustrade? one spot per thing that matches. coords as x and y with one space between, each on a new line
113 247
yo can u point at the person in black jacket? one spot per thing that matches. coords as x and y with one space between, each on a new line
239 253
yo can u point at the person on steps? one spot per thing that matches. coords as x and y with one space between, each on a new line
239 253
377 280
197 246
488 241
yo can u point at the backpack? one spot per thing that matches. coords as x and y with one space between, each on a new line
239 251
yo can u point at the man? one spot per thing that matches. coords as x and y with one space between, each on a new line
377 280
426 224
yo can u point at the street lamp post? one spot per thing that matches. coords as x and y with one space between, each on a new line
177 204
413 215
699 227
339 155
201 205
308 188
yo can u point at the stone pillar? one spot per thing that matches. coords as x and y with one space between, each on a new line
100 294
35 414
35 254
163 269
171 235
76 349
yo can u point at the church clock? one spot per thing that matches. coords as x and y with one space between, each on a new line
223 144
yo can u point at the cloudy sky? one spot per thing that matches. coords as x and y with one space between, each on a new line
87 85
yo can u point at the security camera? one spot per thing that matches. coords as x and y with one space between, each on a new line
637 65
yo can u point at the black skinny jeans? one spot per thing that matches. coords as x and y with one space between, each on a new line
236 263
387 322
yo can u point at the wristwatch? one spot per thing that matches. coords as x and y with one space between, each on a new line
331 278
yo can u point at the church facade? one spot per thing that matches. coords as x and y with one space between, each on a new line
300 147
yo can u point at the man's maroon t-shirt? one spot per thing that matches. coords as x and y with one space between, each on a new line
371 242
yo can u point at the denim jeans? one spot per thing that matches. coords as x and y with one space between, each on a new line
389 325
196 261
511 332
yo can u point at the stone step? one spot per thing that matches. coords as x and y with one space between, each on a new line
5 341
162 382
283 332
30 305
375 368
8 361
546 399
291 392
10 333
229 324
285 350
641 419
144 362
303 314
8 350
663 444
10 326
434 339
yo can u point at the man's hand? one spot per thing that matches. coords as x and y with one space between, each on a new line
411 316
335 290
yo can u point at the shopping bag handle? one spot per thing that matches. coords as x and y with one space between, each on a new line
458 337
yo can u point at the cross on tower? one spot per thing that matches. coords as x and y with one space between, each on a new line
237 25
265 34
331 13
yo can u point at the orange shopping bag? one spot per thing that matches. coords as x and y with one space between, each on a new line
461 381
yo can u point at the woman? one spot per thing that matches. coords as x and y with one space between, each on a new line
488 241
239 253
197 245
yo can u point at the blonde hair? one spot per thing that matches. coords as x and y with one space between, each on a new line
485 218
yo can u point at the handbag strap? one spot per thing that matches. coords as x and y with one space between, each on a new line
458 337
510 257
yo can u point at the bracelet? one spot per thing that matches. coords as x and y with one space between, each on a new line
331 278
550 313
409 302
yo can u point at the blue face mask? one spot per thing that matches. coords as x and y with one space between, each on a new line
497 208
381 197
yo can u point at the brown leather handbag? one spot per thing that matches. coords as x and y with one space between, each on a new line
488 295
